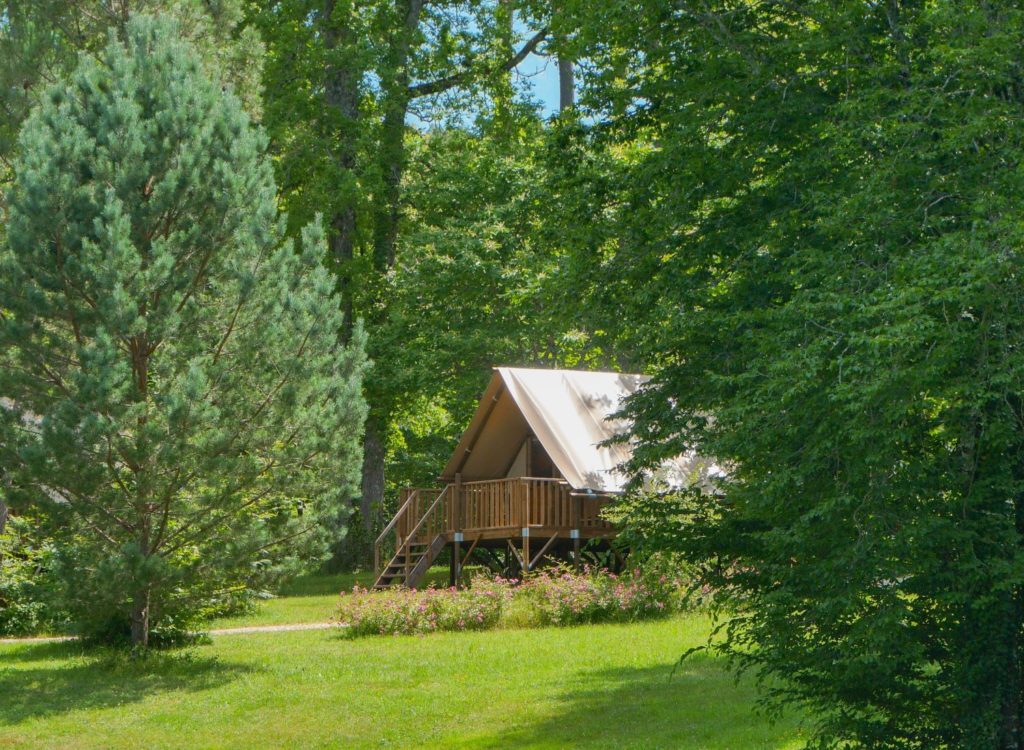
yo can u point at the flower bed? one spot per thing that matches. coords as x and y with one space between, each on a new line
563 597
559 596
406 612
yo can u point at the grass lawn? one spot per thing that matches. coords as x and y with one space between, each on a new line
602 686
311 598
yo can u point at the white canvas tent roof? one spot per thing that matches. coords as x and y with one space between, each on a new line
570 413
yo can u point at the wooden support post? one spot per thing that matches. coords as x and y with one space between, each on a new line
577 514
526 550
453 565
457 503
526 529
469 552
543 550
458 561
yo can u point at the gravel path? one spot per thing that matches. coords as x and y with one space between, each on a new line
216 631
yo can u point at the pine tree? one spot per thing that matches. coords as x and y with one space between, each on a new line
176 403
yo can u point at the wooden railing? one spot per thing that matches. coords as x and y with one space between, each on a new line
421 516
419 499
474 507
527 501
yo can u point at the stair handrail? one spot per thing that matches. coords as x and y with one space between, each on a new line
387 530
425 515
412 534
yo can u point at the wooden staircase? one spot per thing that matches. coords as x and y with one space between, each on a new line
408 569
419 540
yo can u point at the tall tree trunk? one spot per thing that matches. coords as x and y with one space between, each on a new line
374 450
392 158
140 618
5 513
341 93
503 89
566 83
392 140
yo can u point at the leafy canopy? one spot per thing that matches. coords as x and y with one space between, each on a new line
819 245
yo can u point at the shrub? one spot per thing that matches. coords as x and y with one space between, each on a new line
559 596
405 612
26 581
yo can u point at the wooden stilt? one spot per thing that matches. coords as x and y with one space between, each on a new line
526 551
469 552
518 558
543 550
452 564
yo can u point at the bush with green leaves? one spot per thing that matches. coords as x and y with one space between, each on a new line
551 597
560 596
27 602
407 612
176 407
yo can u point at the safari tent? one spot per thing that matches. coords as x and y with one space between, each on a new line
527 480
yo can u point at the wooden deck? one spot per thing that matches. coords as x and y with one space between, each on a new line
529 516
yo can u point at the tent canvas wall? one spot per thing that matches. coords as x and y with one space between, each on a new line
571 414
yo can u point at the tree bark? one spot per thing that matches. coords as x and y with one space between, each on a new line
392 141
341 93
5 513
566 84
392 159
140 618
371 501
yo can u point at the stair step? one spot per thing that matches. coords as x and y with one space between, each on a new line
410 560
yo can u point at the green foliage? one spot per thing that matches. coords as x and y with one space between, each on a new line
558 596
819 244
27 603
401 122
405 612
177 406
40 41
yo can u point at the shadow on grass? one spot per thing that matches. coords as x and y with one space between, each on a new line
29 651
701 707
65 677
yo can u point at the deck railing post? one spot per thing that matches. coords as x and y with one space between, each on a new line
526 527
456 516
457 503
577 512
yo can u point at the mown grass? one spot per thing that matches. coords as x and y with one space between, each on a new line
311 598
599 686
307 599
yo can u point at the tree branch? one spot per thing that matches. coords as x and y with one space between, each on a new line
465 76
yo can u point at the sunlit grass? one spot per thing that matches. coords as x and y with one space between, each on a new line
604 686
